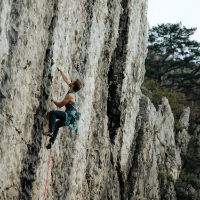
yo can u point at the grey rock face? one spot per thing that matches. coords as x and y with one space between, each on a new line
124 148
182 136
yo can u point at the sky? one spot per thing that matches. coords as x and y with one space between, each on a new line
175 11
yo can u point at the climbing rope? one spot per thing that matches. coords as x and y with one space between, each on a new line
47 175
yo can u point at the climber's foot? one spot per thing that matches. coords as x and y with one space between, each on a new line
48 133
49 145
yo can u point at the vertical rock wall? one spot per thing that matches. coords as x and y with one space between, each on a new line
123 145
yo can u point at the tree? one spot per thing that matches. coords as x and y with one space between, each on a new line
173 58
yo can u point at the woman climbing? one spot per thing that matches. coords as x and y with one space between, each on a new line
67 118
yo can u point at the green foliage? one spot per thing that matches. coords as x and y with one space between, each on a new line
177 125
190 175
173 59
155 92
191 162
192 158
161 167
188 178
195 114
182 191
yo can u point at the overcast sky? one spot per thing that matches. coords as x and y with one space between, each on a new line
175 11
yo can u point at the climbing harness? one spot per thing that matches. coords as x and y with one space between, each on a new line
47 175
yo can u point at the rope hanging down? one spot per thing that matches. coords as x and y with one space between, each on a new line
47 175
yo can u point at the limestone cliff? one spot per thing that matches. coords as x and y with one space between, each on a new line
124 149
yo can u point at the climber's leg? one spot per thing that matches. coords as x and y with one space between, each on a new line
59 124
53 115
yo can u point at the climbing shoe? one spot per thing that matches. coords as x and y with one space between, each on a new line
48 133
49 145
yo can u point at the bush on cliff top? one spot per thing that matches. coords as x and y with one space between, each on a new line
155 92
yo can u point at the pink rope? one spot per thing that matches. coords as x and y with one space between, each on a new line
47 175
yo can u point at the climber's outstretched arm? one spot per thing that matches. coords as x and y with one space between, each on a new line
65 77
69 98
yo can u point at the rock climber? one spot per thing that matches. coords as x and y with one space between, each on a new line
69 117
